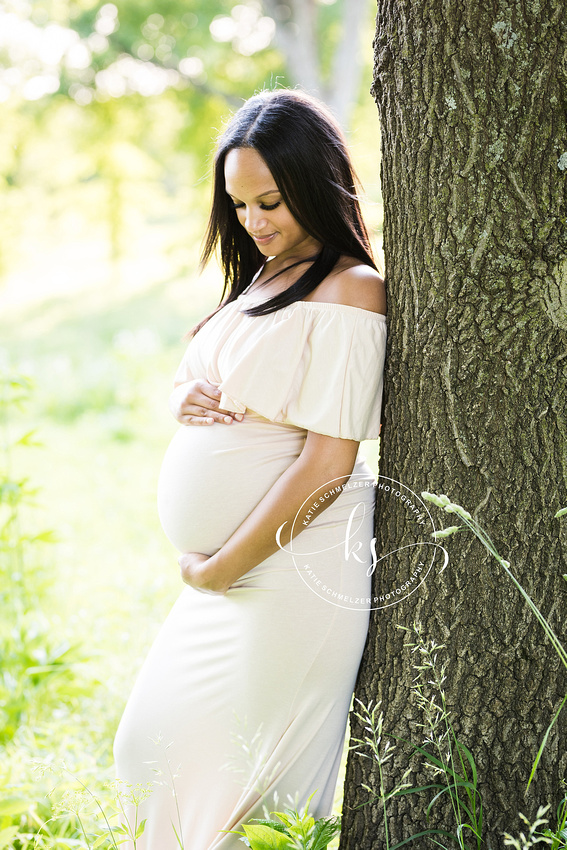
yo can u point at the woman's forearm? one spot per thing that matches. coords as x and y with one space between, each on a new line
323 468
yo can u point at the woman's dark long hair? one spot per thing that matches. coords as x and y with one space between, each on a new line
305 151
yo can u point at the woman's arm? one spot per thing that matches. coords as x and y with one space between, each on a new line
323 460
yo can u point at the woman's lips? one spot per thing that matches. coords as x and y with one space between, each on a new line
263 240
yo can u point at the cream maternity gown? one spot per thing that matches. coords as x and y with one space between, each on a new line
243 699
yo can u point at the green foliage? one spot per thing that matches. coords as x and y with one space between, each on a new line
39 676
294 830
176 31
125 140
39 671
525 841
381 752
448 759
161 38
450 507
81 817
558 836
48 691
452 763
43 681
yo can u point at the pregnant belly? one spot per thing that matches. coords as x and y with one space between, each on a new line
213 476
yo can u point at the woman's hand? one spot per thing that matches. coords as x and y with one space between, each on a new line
197 403
196 571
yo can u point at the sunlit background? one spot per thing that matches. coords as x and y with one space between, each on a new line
108 116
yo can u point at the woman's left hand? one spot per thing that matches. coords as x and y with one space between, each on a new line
196 572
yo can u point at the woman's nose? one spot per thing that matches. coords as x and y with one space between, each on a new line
255 219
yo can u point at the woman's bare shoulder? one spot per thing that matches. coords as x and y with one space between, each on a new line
354 284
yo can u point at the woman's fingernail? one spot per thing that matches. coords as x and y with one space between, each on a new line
228 419
239 416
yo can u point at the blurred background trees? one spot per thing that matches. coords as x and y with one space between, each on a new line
108 115
99 99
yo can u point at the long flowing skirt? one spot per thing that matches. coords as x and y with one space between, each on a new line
242 702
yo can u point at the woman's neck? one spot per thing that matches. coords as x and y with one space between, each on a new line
288 265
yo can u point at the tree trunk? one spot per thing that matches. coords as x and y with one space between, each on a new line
472 100
342 89
296 35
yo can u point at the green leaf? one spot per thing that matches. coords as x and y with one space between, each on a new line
463 826
560 513
47 536
178 839
264 838
437 796
7 836
301 825
544 741
273 824
285 817
453 789
470 759
13 806
21 380
26 439
433 759
324 832
141 828
120 830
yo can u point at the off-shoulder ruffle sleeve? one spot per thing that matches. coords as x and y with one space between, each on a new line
317 366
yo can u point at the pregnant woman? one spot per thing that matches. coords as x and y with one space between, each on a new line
243 700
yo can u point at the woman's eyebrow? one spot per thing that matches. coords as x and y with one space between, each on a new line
262 195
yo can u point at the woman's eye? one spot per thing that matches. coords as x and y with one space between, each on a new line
238 206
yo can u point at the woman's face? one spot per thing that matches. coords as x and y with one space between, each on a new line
260 207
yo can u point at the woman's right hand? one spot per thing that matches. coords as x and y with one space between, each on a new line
197 403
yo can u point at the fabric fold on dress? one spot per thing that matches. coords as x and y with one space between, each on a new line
315 365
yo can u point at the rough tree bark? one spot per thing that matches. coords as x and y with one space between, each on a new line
472 101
